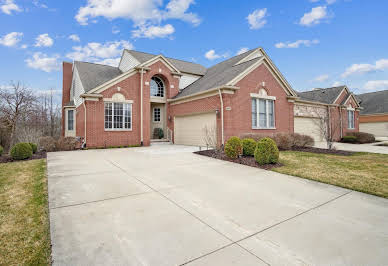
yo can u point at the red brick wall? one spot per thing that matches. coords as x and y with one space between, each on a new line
97 136
66 86
238 120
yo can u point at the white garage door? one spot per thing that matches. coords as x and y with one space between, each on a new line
190 129
308 126
379 129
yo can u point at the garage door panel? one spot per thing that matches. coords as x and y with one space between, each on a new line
190 129
308 126
379 129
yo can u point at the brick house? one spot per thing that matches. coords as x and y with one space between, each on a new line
190 104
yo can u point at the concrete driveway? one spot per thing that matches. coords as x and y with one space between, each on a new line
164 205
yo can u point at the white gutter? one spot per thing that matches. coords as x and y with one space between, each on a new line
341 132
222 118
141 107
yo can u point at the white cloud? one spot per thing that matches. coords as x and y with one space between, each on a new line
43 62
381 64
296 44
322 78
24 46
243 50
330 2
257 19
139 11
110 62
152 32
107 53
74 38
375 85
212 55
8 6
337 83
44 40
11 39
115 30
315 16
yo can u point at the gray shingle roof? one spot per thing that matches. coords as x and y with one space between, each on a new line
373 102
93 75
323 95
218 75
71 103
183 66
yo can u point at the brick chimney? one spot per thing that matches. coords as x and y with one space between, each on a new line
66 86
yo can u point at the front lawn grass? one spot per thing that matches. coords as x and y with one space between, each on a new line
24 224
365 172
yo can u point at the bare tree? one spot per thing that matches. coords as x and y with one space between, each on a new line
17 103
210 136
327 128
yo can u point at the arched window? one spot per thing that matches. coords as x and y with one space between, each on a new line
157 87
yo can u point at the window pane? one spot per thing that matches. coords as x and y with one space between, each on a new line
254 113
262 113
271 113
127 116
108 115
70 120
156 114
157 87
118 115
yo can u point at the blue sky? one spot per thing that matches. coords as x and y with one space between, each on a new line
314 43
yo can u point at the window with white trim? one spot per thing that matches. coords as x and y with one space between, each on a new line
156 114
70 120
118 116
157 87
263 113
350 119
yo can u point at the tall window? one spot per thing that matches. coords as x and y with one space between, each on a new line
350 119
156 114
70 120
263 113
157 87
118 116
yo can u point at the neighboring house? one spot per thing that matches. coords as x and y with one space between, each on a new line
337 105
110 106
374 115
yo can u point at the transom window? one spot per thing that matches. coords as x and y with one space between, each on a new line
263 113
156 114
350 119
157 87
118 116
70 120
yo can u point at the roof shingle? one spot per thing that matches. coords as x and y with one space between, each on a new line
373 102
323 95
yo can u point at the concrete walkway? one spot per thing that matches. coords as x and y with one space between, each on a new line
164 205
369 147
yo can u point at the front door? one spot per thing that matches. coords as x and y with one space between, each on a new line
158 121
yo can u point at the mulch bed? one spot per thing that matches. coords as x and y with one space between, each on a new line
250 161
324 151
5 158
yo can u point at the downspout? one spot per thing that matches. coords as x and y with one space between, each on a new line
84 144
341 133
329 117
222 118
141 107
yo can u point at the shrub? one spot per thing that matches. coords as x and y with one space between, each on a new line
158 133
249 147
284 141
233 147
362 137
66 144
1 150
302 141
349 139
21 151
255 136
47 144
266 151
34 147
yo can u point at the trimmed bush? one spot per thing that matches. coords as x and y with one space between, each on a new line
284 141
66 144
233 147
21 151
34 147
249 147
255 136
47 144
349 139
1 150
362 137
266 151
302 141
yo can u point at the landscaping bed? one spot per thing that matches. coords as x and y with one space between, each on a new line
323 151
246 160
24 223
5 158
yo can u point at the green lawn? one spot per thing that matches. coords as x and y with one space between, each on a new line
24 225
365 172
